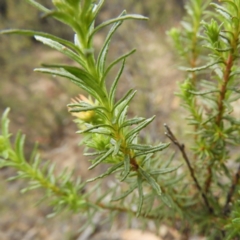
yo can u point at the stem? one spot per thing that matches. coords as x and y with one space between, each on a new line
123 209
223 90
235 181
181 147
209 179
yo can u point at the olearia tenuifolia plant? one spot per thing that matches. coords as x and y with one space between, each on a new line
200 198
111 137
211 51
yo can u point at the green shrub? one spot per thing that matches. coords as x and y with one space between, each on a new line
200 192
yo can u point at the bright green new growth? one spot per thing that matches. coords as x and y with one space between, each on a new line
210 50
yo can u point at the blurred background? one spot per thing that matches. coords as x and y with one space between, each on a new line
38 102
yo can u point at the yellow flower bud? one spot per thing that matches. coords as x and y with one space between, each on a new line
86 116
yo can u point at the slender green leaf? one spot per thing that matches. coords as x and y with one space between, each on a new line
141 196
139 127
80 74
125 194
151 181
66 19
203 93
19 145
111 65
104 50
166 200
117 146
127 167
222 11
63 49
97 129
168 162
165 170
38 6
46 35
132 121
122 18
122 104
74 79
146 159
110 170
114 85
236 220
232 3
101 159
202 67
5 124
97 9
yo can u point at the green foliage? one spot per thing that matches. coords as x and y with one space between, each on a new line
146 179
208 94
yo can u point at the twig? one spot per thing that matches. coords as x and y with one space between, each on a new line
209 179
236 178
181 147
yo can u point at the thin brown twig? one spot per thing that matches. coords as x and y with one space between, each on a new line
235 181
223 90
209 179
181 147
123 209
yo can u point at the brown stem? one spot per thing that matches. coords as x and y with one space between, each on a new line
123 209
235 181
223 90
209 179
181 147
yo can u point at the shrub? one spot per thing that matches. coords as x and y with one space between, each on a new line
200 193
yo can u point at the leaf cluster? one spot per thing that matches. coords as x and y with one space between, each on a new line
110 136
147 182
209 94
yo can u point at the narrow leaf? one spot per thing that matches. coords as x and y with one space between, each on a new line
97 9
126 167
236 220
101 159
80 74
132 121
166 199
74 79
202 67
114 85
122 18
222 11
111 65
139 127
97 129
141 197
38 6
104 50
121 105
19 144
42 34
146 159
151 181
165 170
153 150
5 123
117 146
107 173
63 49
125 194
